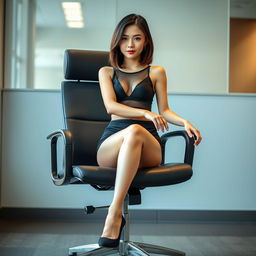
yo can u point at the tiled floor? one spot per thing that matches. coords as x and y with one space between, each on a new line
30 238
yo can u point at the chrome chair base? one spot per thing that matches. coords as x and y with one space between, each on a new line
124 249
90 249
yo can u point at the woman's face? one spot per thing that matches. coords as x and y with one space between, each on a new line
132 42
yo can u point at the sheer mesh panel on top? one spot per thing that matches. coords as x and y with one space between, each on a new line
134 89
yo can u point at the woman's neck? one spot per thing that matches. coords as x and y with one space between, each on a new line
131 65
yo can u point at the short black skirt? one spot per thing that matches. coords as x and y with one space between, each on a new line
120 124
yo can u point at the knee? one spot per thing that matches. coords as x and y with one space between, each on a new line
135 129
134 133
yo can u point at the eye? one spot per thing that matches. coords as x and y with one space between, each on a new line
137 38
124 38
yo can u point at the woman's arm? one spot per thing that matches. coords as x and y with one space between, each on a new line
163 107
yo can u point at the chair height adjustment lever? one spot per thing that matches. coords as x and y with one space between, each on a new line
89 209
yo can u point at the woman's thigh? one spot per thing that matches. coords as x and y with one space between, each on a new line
151 154
109 149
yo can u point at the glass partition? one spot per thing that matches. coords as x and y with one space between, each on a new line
39 32
191 39
53 35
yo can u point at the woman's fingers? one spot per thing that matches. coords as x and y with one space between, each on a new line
166 125
193 132
156 124
190 134
158 120
161 123
198 137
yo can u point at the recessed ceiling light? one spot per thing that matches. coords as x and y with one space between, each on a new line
71 5
75 24
73 14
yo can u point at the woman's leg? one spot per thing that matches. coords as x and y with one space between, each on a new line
127 150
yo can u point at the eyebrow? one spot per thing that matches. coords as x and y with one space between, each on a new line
133 35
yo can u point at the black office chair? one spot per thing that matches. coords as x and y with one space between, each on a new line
85 119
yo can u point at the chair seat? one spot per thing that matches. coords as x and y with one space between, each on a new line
167 174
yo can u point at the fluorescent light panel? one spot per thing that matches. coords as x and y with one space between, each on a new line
73 14
71 5
75 24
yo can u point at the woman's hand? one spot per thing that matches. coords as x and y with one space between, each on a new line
192 131
158 120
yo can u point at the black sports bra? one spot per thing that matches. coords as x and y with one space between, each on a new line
134 89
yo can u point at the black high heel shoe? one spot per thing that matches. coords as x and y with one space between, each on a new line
107 242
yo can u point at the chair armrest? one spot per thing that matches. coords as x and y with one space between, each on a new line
61 177
189 147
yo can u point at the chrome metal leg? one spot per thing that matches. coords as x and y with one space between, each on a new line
134 249
126 247
91 249
150 248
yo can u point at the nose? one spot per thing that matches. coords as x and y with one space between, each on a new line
130 43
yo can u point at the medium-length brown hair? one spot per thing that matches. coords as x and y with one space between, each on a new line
116 58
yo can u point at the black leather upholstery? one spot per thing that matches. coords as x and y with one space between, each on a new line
85 116
168 174
85 119
84 65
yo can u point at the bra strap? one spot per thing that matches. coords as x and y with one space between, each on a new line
114 73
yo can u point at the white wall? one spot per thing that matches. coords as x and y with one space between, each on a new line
224 166
191 41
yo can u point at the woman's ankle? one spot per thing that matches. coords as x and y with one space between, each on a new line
115 210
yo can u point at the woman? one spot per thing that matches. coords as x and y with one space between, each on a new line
131 140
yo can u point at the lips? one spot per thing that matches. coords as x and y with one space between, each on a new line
131 52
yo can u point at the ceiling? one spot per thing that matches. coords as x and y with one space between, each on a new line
100 12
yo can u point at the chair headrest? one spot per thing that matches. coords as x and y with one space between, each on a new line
83 64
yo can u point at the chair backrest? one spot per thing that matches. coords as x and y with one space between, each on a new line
84 112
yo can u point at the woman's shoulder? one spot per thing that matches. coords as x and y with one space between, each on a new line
106 71
157 71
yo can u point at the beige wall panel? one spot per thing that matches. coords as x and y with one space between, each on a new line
243 55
